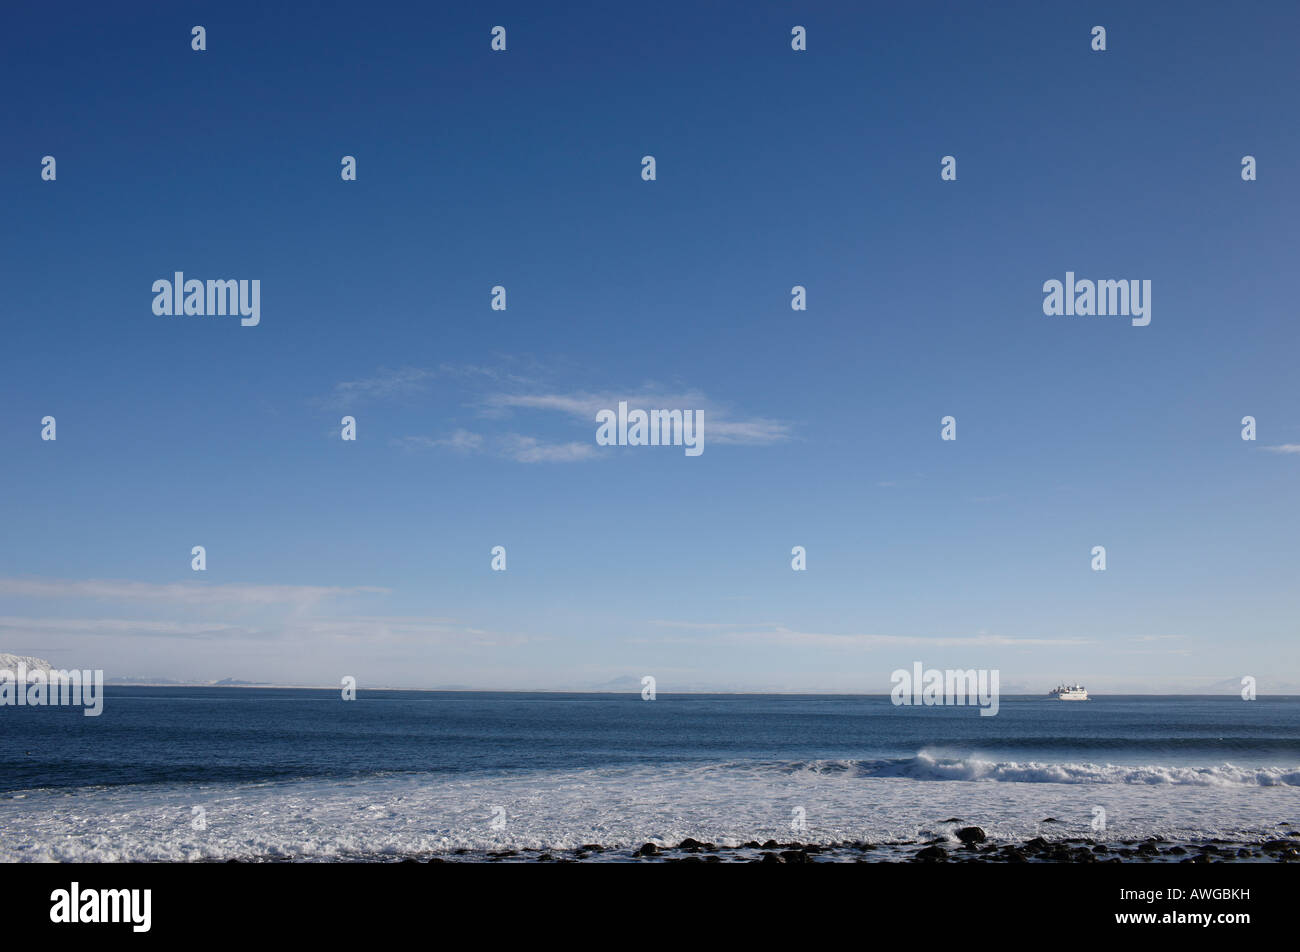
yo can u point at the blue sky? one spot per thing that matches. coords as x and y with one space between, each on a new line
775 168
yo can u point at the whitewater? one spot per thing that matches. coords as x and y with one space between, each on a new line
399 815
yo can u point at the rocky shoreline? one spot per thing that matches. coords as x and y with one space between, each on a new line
969 844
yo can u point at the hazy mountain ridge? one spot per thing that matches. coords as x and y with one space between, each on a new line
10 663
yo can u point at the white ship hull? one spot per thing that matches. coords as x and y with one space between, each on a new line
1070 692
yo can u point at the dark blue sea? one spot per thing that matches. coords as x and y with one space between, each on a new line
193 773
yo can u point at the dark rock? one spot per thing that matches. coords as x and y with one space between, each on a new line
546 858
971 834
771 858
1037 843
932 854
436 859
771 845
795 856
1015 856
1051 819
1175 851
648 849
690 844
951 819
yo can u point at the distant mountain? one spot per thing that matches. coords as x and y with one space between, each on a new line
627 682
10 663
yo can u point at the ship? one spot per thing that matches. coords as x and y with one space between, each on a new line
1069 692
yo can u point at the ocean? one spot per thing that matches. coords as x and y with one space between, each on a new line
265 774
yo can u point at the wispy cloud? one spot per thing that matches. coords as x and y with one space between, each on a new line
527 449
384 385
513 446
707 625
719 424
179 593
460 441
497 375
372 631
775 634
389 384
12 626
1284 448
377 630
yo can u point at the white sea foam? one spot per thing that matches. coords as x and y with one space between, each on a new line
411 814
928 766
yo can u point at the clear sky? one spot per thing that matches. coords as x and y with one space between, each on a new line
476 427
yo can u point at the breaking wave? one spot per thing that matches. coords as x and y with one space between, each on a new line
927 766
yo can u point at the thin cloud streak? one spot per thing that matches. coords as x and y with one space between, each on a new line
719 427
179 593
726 633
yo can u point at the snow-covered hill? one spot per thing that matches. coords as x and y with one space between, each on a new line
10 662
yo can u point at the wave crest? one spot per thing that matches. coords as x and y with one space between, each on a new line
927 766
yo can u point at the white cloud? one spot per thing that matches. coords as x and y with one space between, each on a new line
719 427
527 449
371 631
180 593
461 441
16 627
385 385
782 635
